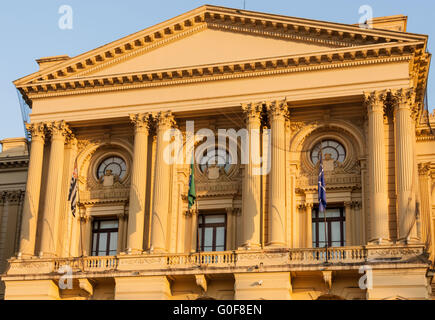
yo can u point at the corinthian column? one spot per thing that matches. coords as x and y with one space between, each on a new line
251 180
374 102
58 132
165 121
136 211
277 113
405 171
33 186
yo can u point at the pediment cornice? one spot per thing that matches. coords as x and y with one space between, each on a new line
282 27
336 58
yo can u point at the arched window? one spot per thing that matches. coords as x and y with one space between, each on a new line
116 165
219 157
330 149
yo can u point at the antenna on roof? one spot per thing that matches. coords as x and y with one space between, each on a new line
244 4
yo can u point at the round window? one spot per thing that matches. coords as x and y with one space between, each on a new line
112 165
330 149
216 158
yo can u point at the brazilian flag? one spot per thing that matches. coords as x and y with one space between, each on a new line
191 196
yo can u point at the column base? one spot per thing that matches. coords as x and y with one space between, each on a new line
273 245
47 255
406 241
250 246
133 251
380 242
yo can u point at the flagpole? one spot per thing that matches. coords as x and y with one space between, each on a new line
323 209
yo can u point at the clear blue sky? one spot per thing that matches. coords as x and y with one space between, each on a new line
29 30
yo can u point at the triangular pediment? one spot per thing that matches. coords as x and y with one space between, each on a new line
210 35
209 47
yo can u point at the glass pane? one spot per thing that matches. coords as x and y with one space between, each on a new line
208 237
335 231
321 232
214 219
102 245
199 237
109 224
113 241
221 248
220 237
94 243
330 213
314 233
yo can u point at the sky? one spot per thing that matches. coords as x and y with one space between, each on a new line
30 30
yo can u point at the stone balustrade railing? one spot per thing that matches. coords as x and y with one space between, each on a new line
228 260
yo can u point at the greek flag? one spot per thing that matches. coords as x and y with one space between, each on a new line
73 192
321 187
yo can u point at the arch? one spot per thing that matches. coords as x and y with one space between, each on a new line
297 142
84 157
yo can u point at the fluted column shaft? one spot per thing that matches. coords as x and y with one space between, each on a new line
58 132
165 121
33 187
136 211
309 225
251 180
377 168
405 137
277 112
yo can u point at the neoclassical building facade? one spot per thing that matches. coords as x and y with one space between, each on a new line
295 89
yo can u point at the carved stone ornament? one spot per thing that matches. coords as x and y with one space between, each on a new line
375 100
165 119
252 111
277 109
58 129
424 168
36 130
141 121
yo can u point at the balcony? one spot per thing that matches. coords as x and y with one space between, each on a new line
267 260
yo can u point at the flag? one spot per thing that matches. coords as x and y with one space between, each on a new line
191 196
321 186
73 191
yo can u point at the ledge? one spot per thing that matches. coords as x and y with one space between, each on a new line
267 260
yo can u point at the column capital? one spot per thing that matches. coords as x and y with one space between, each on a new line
36 130
424 169
375 100
141 121
14 196
58 129
277 109
405 99
165 119
252 111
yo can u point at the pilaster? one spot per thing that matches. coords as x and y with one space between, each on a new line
251 181
159 226
375 103
138 183
33 186
277 115
58 131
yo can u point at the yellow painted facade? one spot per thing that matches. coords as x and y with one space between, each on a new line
294 81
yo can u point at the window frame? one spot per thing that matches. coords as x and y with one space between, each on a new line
318 218
100 231
202 225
